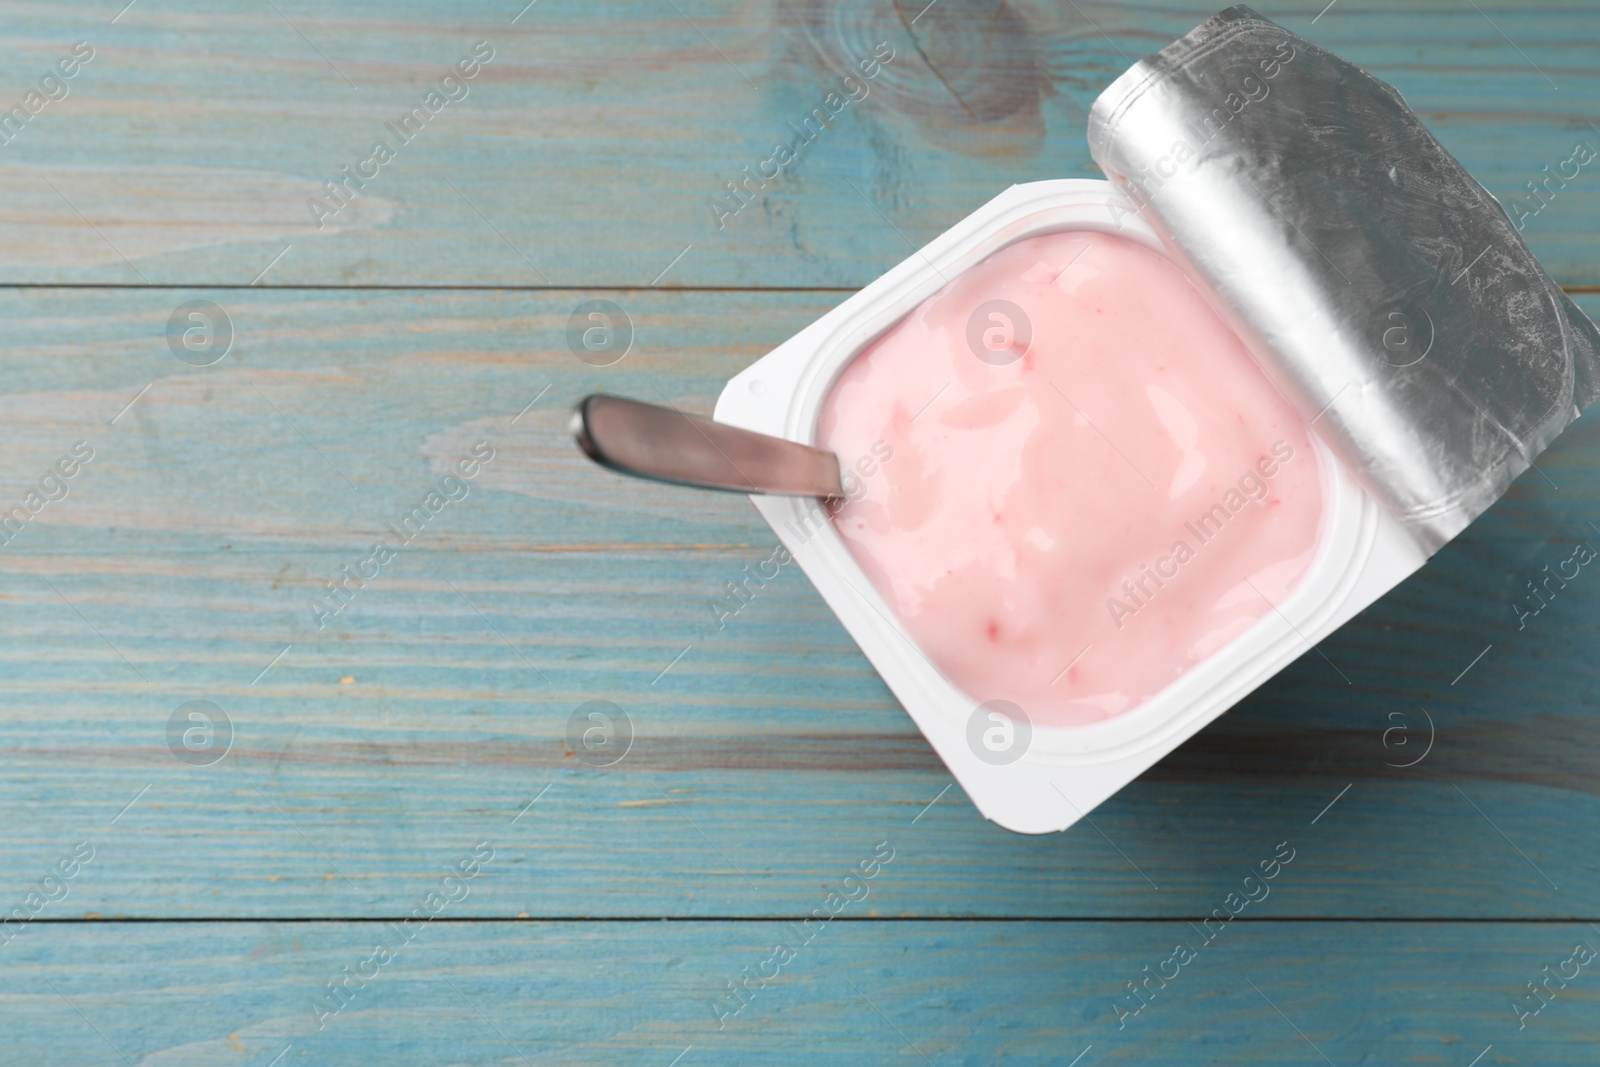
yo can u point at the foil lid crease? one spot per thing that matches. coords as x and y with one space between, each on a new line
1383 290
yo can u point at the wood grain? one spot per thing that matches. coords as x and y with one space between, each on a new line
588 150
216 995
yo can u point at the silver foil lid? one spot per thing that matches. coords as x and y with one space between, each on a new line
1382 289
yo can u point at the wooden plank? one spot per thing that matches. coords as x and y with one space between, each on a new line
183 563
934 992
590 147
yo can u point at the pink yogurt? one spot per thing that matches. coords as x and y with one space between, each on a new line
1073 520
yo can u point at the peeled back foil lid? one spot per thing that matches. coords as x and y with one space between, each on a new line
1382 289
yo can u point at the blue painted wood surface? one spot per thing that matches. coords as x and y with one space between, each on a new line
186 558
587 149
958 993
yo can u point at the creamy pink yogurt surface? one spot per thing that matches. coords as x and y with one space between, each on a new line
1073 520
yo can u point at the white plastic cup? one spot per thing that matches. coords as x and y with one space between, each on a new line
1027 776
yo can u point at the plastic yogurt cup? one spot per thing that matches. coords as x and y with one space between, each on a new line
1040 770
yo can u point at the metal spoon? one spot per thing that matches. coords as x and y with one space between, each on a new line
666 445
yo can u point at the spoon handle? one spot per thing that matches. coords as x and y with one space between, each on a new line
666 445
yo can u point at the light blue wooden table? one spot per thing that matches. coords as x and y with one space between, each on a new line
399 814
